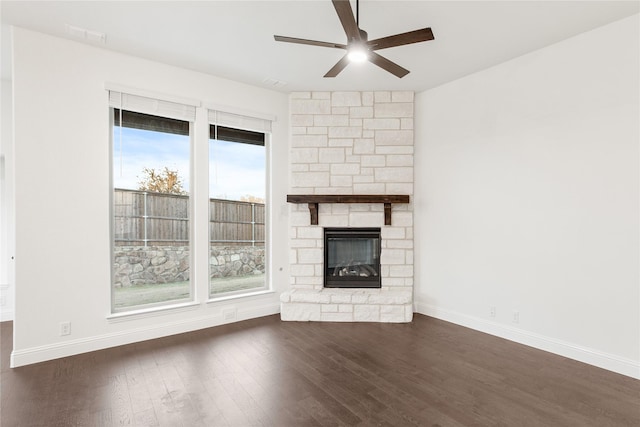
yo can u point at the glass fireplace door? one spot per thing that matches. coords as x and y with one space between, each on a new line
352 258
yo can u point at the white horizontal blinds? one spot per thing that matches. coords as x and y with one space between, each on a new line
154 107
238 121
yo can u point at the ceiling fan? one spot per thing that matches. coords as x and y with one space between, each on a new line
358 47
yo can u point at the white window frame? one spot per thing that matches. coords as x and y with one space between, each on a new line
251 121
157 105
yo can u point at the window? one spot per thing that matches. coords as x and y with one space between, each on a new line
237 201
151 203
152 250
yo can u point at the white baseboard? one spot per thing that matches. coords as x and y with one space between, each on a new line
84 345
597 358
600 359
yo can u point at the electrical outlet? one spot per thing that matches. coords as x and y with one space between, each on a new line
492 311
229 314
65 328
516 316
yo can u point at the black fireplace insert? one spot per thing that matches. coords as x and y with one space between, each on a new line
352 258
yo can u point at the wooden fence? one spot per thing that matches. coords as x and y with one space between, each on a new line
143 218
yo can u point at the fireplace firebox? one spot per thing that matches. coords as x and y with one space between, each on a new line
352 258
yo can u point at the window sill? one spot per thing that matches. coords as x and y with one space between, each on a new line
177 308
152 311
238 296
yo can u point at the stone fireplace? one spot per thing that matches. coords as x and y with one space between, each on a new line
351 143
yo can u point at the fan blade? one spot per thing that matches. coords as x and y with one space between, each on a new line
416 36
340 65
309 42
348 21
385 64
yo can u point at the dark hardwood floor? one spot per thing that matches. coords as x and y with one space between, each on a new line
265 372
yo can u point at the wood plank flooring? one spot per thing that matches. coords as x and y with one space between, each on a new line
264 372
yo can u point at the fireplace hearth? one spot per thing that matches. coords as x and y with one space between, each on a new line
352 258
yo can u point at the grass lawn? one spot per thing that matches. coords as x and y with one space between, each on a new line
149 294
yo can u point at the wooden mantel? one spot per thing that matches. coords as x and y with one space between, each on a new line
314 199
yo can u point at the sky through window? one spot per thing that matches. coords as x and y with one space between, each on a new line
237 169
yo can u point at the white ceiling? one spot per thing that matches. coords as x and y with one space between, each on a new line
234 39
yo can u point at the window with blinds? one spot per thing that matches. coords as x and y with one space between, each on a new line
237 191
152 142
151 201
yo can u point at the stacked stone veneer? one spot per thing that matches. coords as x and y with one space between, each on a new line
351 143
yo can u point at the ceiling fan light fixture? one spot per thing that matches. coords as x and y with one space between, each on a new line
357 54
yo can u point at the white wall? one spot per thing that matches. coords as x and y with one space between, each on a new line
527 199
62 195
6 204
